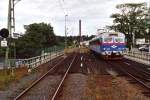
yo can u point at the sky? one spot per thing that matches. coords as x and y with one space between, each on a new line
95 14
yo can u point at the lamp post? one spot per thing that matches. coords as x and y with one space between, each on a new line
148 33
148 23
66 31
133 37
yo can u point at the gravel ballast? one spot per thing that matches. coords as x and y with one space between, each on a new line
107 87
74 86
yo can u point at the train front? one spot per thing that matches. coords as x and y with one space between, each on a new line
113 45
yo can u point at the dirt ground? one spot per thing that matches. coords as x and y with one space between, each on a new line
99 87
106 87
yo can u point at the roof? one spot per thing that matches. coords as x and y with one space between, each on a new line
106 34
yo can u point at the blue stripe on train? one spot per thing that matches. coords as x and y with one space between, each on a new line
112 47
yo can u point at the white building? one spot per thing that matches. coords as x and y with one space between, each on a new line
17 35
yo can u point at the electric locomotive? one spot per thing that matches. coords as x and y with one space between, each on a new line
110 45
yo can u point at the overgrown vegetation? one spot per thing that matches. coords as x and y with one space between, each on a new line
6 76
37 37
132 18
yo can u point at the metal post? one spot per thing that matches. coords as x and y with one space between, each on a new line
133 40
149 47
50 58
10 24
149 24
9 17
10 32
65 32
6 58
13 16
79 33
15 54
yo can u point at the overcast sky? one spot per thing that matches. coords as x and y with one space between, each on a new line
94 14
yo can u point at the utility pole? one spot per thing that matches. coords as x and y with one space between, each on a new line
11 17
10 25
149 23
79 33
65 31
133 37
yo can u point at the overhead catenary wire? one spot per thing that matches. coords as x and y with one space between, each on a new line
65 10
16 1
62 7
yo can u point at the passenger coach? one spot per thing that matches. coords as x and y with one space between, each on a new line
110 45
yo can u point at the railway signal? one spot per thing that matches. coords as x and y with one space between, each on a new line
4 33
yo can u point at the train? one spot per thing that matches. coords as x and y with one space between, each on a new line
110 45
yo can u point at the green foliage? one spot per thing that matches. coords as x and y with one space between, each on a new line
2 51
37 36
72 40
131 19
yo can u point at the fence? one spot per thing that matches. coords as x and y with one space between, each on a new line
35 61
142 57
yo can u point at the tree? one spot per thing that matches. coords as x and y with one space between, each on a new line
37 36
131 19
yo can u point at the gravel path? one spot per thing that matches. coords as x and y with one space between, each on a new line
74 87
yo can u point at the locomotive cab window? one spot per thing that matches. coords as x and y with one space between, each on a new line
107 39
119 40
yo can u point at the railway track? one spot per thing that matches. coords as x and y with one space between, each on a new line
34 91
139 74
61 82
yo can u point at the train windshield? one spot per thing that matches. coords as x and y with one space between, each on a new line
119 40
107 39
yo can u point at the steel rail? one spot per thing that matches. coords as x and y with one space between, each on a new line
138 80
132 76
144 70
64 77
37 81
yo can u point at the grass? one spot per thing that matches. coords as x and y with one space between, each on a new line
7 77
76 49
4 81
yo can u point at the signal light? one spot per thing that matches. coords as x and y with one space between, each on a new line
4 33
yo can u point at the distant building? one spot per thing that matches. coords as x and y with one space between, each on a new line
140 41
17 35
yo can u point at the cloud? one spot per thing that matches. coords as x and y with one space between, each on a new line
93 13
